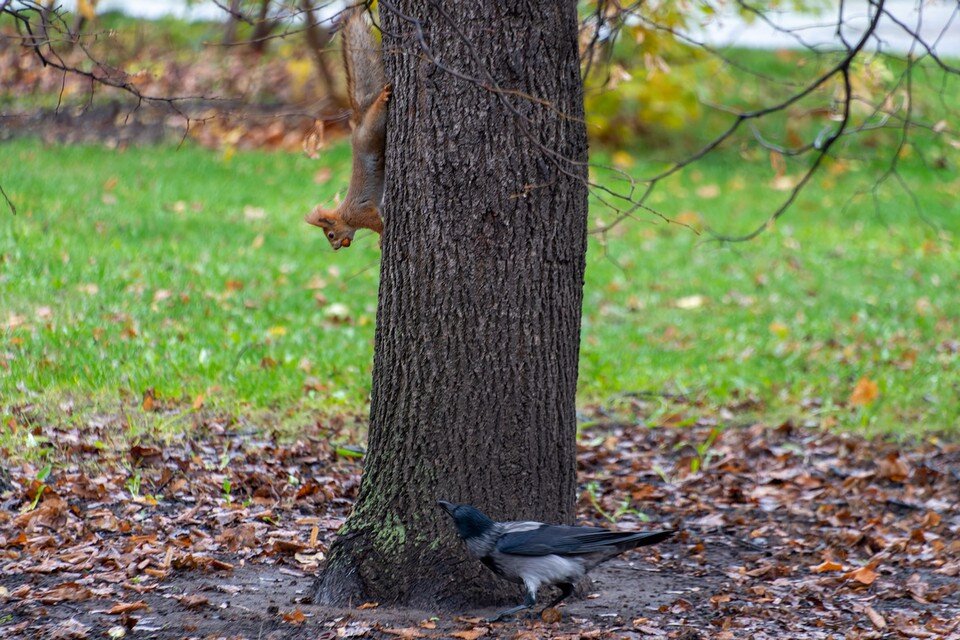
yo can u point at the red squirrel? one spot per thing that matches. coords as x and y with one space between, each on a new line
369 92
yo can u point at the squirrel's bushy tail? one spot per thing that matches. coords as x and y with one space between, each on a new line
363 62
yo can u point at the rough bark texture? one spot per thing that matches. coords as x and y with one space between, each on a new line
478 324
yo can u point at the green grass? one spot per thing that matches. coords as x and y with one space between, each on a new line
191 273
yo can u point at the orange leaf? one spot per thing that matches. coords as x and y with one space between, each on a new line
828 565
865 392
864 575
149 400
294 617
470 634
551 615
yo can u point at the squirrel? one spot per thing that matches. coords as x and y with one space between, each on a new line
368 91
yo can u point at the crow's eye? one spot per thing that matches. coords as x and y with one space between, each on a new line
330 235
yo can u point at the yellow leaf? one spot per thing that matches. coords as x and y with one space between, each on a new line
86 8
622 160
299 70
277 331
779 329
864 393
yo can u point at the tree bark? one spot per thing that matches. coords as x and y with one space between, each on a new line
478 322
230 29
262 28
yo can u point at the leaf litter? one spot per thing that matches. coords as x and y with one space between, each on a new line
784 531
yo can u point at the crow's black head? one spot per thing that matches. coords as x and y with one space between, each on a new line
471 522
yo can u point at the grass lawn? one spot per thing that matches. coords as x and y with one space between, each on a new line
190 273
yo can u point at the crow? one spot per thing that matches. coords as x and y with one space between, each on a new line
535 554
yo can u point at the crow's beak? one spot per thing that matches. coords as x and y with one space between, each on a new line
449 507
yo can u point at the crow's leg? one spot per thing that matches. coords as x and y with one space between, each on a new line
566 588
528 603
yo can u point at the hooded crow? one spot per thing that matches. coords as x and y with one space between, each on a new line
535 554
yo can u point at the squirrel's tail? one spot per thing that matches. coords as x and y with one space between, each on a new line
363 62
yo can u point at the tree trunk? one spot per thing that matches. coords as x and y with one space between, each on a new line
262 28
317 39
233 21
478 323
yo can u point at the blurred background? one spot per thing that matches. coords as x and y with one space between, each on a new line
160 157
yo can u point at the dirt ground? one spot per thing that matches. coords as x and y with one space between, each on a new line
783 533
629 598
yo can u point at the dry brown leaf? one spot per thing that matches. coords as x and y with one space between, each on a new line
192 601
893 467
875 618
127 607
405 632
70 629
65 592
551 615
470 634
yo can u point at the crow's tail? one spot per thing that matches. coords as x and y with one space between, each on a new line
633 540
618 541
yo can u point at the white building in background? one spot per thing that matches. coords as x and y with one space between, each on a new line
940 23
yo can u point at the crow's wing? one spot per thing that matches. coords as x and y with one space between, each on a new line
564 540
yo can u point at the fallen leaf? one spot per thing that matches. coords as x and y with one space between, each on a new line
70 629
127 607
864 393
192 601
66 592
690 302
875 618
354 630
551 615
296 617
149 400
406 632
864 575
708 191
470 634
893 467
827 565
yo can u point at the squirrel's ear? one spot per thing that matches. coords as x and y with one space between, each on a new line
320 218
